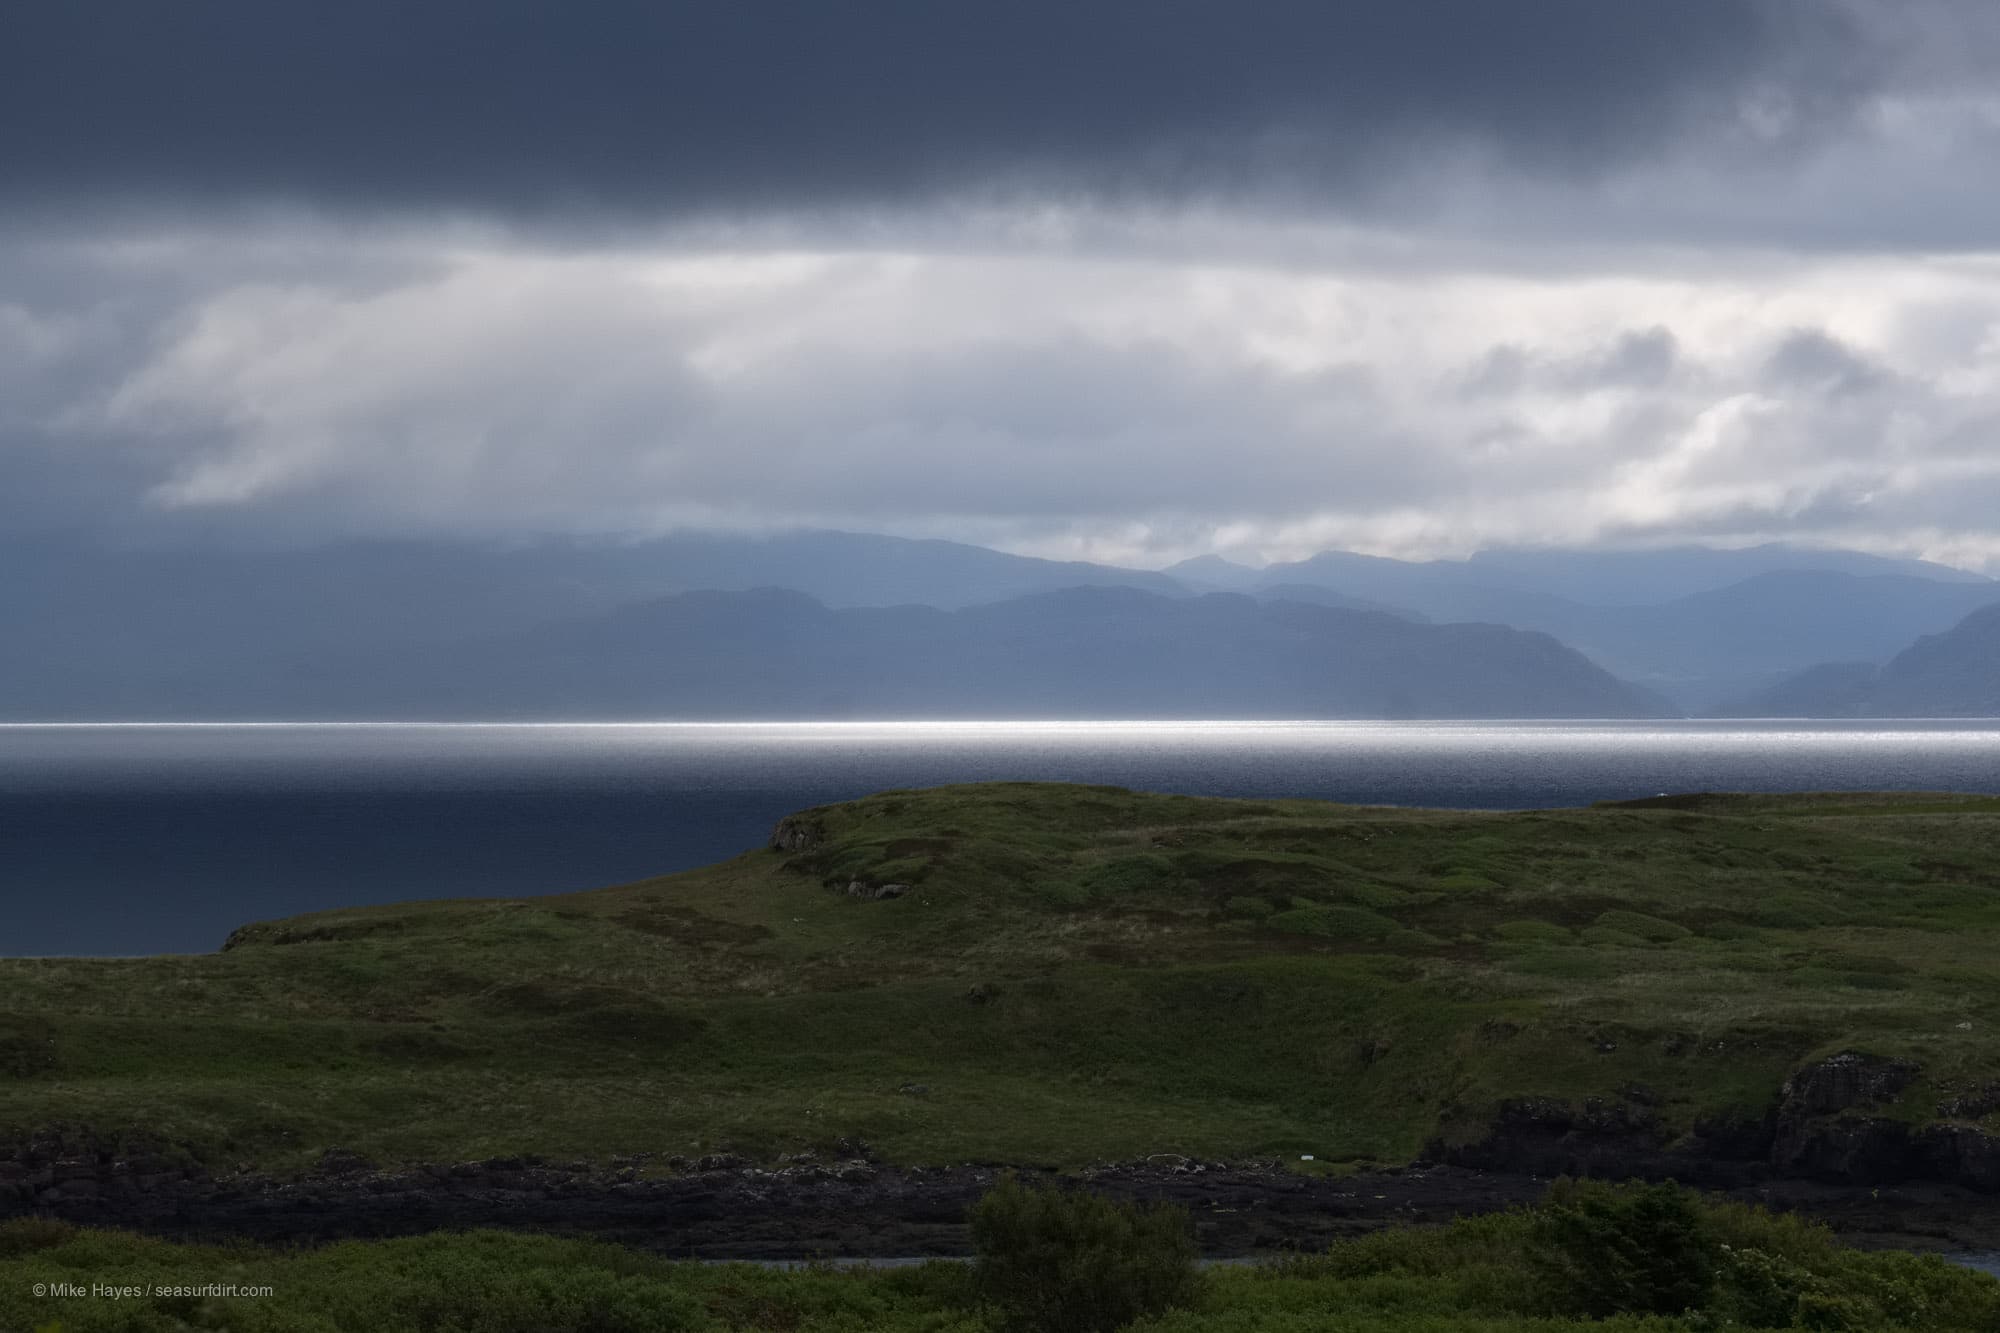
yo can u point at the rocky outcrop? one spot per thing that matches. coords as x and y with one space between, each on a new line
798 833
721 1207
1960 1154
1826 1125
1545 1136
861 888
63 1169
1819 1131
1614 1139
1841 1082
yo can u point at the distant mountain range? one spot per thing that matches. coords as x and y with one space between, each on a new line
1954 674
408 629
1076 653
1722 643
1699 626
1599 578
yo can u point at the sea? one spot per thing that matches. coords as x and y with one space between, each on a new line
136 838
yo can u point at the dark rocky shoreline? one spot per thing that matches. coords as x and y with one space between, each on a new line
1823 1149
722 1209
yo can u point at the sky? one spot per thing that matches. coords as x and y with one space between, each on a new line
1128 280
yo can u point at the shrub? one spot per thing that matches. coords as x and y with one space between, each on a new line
1606 1250
30 1235
1143 873
1762 1290
1336 922
27 1046
1059 1261
1533 932
1652 928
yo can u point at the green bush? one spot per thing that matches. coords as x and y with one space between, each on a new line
1144 873
1652 928
29 1235
1533 932
1606 1250
1061 1261
1335 922
1760 1290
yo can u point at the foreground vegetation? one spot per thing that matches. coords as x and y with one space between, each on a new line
1069 975
1633 1259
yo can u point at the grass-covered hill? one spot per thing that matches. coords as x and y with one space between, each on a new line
1044 974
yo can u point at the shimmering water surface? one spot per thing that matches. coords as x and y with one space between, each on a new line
122 838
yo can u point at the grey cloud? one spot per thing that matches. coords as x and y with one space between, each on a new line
1014 401
1500 371
728 105
1636 358
1813 361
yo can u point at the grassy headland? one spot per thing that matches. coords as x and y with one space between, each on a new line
1071 974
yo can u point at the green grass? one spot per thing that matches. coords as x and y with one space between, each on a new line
1504 1273
1077 974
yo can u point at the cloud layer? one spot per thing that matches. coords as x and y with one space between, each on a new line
627 105
1133 279
1117 407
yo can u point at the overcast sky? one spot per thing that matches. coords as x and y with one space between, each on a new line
1127 279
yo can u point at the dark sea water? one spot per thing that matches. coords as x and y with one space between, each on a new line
120 839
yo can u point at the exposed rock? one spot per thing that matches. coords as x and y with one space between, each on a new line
1961 1155
723 1208
1815 1136
1841 1082
861 888
1726 1138
798 833
721 1161
68 1167
1848 1149
1972 1104
1818 1130
341 1162
1545 1136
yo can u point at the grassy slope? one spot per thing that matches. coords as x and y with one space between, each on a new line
1078 974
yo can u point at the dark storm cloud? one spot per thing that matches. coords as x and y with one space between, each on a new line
1146 275
743 104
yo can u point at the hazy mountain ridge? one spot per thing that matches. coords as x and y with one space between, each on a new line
194 632
1081 652
1953 674
1316 595
1727 642
401 629
1591 577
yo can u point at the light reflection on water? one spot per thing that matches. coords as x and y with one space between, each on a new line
140 837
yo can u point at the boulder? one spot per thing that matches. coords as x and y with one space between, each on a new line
1842 1082
797 833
